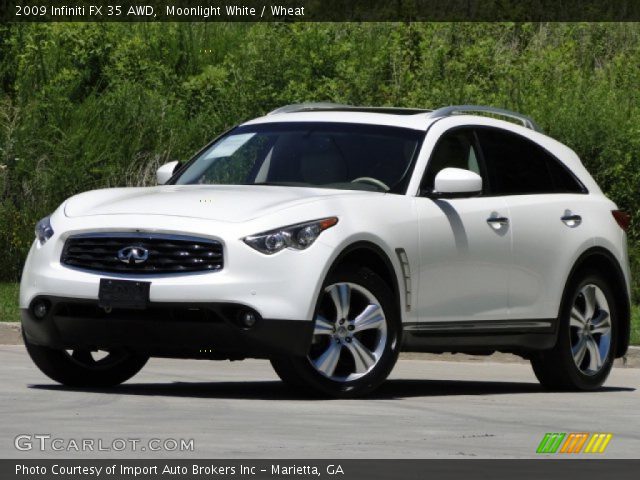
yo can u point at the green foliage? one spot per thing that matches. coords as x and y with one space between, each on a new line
9 311
85 106
635 325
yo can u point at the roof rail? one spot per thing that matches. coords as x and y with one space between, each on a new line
327 106
455 109
306 107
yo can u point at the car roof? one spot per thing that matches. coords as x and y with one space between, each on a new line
413 118
415 121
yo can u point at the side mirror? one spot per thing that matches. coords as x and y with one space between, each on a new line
166 171
457 181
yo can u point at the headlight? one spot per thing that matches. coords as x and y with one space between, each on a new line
43 230
298 236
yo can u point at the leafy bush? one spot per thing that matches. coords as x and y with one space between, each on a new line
84 106
9 311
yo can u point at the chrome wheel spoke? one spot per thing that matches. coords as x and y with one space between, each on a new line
370 318
341 297
595 360
576 319
601 300
579 351
589 294
323 326
601 323
328 361
363 357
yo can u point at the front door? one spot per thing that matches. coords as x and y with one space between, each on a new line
465 243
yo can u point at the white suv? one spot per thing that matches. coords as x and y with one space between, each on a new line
327 238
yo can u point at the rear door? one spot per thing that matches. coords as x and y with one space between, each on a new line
549 222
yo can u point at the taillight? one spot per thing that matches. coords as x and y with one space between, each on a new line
623 219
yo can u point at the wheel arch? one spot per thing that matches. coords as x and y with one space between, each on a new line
605 263
372 256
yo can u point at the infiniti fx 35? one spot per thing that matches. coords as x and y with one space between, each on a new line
327 239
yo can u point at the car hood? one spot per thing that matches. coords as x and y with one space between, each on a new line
227 203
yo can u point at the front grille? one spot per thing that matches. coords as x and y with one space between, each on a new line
155 253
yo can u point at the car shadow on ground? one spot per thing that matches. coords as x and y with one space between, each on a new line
275 390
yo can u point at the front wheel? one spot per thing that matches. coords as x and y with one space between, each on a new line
584 352
85 368
356 337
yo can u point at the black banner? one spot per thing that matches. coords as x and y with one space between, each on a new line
313 469
318 10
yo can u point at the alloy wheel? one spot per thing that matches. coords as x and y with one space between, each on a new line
590 329
350 333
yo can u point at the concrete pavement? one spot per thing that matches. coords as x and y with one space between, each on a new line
428 409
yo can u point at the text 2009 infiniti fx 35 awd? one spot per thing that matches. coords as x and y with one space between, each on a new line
328 238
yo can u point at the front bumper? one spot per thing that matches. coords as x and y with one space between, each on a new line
283 286
181 330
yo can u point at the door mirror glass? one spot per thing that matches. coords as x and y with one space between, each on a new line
457 181
166 171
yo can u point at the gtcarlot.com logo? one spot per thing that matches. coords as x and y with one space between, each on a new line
47 442
574 442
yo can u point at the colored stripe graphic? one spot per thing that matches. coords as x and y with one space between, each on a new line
557 442
582 441
598 443
574 442
550 443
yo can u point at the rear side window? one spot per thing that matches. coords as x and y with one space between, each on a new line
518 166
563 179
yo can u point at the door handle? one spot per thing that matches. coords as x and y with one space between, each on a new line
497 222
571 220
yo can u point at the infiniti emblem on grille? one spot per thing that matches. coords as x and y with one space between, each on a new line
133 255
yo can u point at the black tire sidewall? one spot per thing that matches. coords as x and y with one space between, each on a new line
60 367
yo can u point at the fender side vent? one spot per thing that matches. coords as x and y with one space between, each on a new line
406 275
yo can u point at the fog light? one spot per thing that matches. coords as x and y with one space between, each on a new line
249 319
40 309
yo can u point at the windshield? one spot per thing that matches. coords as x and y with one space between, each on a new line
329 155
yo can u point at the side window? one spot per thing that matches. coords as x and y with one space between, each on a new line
456 149
518 166
563 180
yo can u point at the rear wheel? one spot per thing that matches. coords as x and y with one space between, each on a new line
86 368
355 340
583 355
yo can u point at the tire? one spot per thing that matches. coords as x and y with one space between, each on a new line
591 337
356 339
80 369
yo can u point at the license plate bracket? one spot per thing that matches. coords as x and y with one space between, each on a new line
123 294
